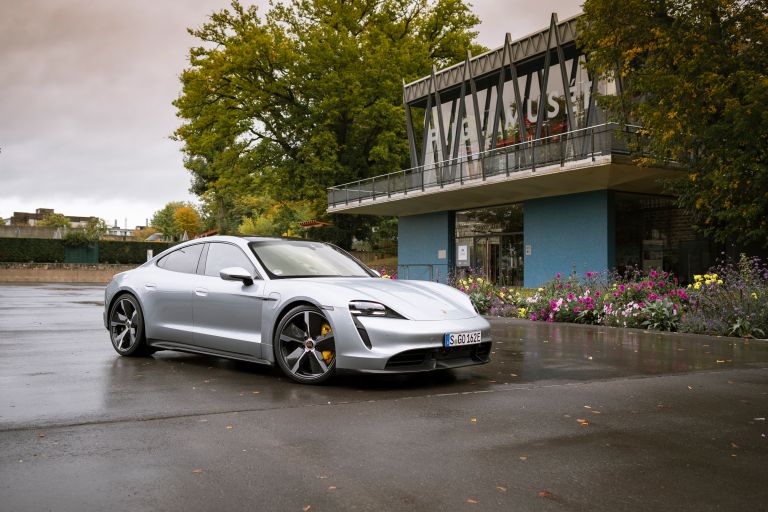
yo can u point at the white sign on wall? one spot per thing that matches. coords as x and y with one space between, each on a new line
462 255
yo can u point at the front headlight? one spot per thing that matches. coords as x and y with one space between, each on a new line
368 308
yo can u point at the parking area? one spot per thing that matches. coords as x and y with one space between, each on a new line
565 417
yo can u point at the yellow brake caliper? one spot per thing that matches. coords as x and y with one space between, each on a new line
327 354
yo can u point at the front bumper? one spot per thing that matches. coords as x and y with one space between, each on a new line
399 346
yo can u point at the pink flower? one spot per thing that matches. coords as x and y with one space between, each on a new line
661 283
557 276
576 309
588 300
570 296
621 287
589 274
533 316
591 306
597 293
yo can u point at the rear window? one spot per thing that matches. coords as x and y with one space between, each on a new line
182 260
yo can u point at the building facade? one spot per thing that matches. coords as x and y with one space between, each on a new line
518 174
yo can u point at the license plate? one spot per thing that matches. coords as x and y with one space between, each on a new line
457 339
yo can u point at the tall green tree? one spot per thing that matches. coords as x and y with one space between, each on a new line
694 77
308 95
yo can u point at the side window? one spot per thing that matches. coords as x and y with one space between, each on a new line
182 260
225 255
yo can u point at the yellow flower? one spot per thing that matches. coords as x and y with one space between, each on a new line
469 279
697 277
480 280
541 289
697 286
754 295
521 312
719 281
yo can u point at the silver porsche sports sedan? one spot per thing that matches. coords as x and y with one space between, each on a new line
308 307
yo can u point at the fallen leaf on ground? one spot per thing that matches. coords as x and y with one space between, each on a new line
595 412
197 471
720 361
307 508
473 502
331 487
40 435
322 477
734 445
587 406
523 457
759 419
582 422
690 387
230 427
255 392
544 494
473 419
501 489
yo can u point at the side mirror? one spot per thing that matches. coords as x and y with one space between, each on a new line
236 274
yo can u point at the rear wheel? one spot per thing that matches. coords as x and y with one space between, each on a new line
126 327
304 346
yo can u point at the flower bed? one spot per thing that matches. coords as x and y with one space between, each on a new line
731 300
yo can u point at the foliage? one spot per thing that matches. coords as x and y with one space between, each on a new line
128 252
637 299
95 228
176 217
31 250
731 300
54 220
144 233
307 95
271 218
188 220
77 238
486 297
693 75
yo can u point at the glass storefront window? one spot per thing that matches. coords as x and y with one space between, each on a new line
653 234
489 241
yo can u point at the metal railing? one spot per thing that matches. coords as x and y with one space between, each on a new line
561 148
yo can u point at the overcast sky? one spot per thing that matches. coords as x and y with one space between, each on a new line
85 98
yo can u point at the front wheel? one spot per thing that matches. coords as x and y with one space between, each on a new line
304 346
126 327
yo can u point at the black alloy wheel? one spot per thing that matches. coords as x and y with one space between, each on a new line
304 346
126 327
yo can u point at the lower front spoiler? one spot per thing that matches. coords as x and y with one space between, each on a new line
437 358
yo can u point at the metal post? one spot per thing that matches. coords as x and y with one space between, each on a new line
373 188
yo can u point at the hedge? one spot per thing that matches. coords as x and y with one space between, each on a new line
31 250
128 252
47 250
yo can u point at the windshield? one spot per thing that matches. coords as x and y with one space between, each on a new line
294 258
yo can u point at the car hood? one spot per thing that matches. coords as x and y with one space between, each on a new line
416 300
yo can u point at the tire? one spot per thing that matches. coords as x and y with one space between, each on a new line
126 327
305 349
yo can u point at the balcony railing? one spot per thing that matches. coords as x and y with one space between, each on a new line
561 148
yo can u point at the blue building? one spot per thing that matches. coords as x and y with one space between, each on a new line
515 171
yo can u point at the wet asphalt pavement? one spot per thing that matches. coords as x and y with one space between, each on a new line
564 418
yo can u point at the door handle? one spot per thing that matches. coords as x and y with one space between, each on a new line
150 286
201 292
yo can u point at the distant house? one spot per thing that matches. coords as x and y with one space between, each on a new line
33 219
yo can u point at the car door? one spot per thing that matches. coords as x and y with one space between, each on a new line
227 314
169 293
